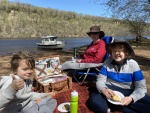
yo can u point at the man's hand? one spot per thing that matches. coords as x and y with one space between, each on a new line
17 84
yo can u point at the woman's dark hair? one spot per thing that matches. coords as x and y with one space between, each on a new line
102 34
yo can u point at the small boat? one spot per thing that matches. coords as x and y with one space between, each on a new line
50 42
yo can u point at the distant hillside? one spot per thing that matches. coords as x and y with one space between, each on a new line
19 20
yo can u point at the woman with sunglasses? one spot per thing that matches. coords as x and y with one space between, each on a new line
96 51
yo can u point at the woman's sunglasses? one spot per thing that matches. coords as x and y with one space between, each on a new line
94 33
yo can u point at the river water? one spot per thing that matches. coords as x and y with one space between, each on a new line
9 46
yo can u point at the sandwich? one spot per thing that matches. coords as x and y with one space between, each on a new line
116 98
66 107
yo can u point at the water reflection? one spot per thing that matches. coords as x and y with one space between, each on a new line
9 46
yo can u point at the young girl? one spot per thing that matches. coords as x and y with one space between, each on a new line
120 73
26 101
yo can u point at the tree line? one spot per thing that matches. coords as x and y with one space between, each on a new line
19 20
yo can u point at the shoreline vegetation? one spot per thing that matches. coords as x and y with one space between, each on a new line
19 20
141 49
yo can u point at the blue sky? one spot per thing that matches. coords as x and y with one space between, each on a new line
79 6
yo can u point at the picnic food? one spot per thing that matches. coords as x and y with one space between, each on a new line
66 107
116 98
50 71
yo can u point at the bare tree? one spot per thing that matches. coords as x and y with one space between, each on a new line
135 12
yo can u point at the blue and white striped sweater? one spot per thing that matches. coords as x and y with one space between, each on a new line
129 77
122 77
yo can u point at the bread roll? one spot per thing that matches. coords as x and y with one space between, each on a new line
116 98
66 107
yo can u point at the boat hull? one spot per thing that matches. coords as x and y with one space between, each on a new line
58 46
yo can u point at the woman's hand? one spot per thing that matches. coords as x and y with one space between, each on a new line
107 92
78 60
126 101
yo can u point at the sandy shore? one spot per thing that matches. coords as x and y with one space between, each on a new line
142 57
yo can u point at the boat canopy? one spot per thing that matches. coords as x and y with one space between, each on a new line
52 38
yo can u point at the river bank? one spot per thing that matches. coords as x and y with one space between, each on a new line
142 56
63 55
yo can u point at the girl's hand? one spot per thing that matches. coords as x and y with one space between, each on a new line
107 92
17 84
52 94
126 101
33 89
